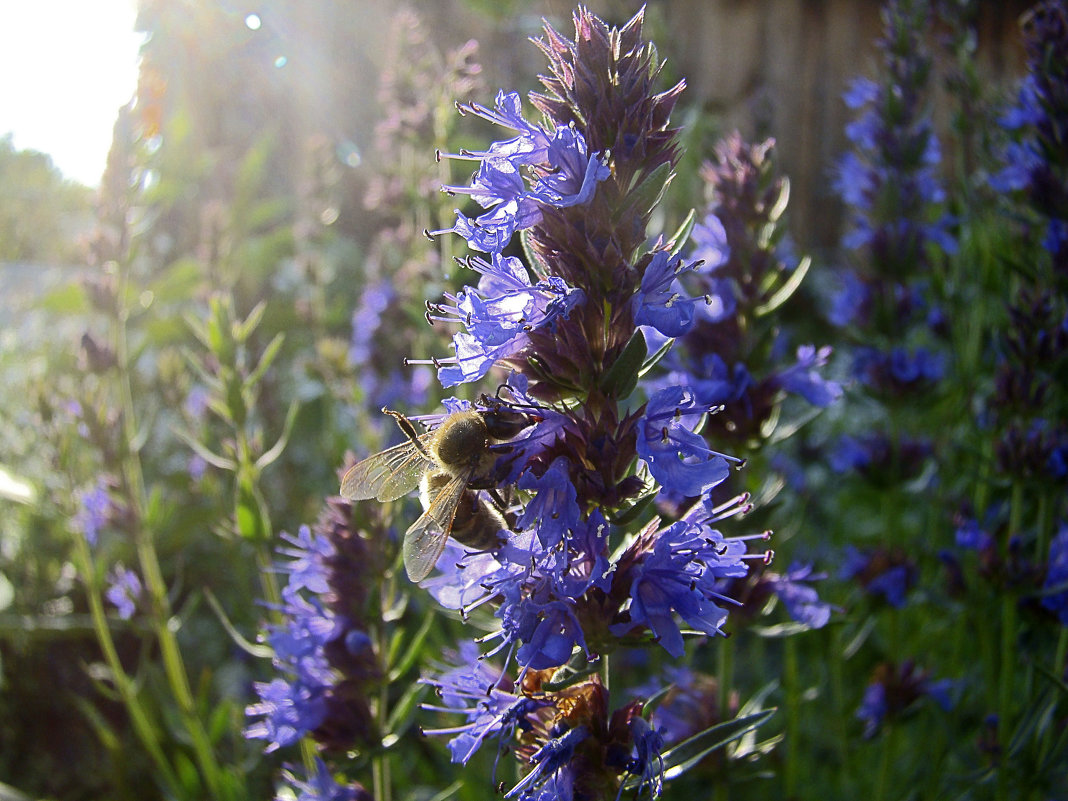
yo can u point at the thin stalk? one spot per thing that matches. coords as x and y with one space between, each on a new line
156 587
138 718
1008 646
792 686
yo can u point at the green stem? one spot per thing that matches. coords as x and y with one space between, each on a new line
839 717
885 760
792 686
156 587
138 718
1008 646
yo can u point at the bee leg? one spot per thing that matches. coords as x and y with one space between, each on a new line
405 425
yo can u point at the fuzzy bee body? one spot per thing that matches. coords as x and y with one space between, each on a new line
444 464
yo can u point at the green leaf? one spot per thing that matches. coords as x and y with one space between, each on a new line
622 377
415 647
242 642
15 488
269 354
652 361
403 713
646 194
681 236
203 451
786 290
9 793
271 455
689 752
243 330
68 299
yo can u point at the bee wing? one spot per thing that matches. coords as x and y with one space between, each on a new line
425 539
388 475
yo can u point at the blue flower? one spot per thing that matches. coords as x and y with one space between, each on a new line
680 575
677 457
553 511
498 316
473 689
802 602
849 301
1055 587
94 510
549 760
124 591
710 245
872 709
307 568
661 302
803 378
647 762
374 300
323 787
286 711
565 175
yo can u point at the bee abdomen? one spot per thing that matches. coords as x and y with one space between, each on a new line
477 524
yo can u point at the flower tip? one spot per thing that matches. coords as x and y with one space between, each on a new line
741 463
769 556
427 234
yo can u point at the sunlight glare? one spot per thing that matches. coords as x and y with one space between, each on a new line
66 67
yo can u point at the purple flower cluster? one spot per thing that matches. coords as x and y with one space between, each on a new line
1034 159
732 352
889 181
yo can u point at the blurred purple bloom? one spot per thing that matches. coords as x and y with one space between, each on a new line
124 590
323 787
374 300
1055 587
94 509
802 602
803 378
710 246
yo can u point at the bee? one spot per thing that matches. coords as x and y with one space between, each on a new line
446 464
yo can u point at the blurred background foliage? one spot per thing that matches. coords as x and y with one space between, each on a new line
205 339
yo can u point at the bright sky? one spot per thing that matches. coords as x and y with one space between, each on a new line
66 66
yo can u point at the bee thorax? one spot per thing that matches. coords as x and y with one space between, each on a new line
461 441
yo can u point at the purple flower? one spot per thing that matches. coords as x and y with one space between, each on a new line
647 762
323 787
498 316
472 688
307 568
710 246
872 709
661 301
1055 587
680 575
124 590
286 711
565 175
94 509
804 379
550 760
677 457
802 602
374 300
